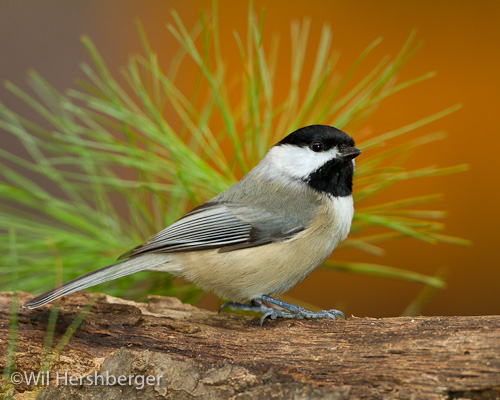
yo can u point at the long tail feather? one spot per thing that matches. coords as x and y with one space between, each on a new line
101 275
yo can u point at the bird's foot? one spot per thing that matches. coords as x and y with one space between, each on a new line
287 310
301 313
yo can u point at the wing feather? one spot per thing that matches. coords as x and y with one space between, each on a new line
214 225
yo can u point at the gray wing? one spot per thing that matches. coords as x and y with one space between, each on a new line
225 226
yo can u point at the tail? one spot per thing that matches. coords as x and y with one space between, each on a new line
101 275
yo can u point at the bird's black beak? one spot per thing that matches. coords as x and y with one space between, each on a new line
349 153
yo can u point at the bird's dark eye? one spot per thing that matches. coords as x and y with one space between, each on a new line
317 147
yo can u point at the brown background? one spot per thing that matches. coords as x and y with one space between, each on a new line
462 41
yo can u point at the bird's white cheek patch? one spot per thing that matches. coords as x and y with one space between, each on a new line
298 162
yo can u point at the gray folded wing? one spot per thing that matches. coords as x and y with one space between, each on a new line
224 226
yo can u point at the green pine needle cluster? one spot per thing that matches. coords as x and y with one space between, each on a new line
120 158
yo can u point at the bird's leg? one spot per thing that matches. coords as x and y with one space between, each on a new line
255 305
293 311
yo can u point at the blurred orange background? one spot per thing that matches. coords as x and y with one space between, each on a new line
461 43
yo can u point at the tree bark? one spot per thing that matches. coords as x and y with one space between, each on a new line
179 351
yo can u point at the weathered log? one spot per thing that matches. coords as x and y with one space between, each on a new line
186 352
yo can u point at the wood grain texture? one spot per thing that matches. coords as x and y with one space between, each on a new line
201 354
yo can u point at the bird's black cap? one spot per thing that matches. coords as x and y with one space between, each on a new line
327 135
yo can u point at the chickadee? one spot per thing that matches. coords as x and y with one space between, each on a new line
261 236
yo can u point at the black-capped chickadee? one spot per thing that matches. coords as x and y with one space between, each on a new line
261 236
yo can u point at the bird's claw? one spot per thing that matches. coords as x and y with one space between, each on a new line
301 313
287 310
